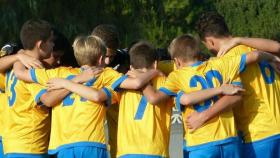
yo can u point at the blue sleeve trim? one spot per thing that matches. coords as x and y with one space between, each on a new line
178 98
109 96
38 96
118 82
242 63
70 77
141 108
167 91
90 82
237 84
33 75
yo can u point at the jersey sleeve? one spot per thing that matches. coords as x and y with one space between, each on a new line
171 85
36 91
230 67
158 83
42 76
111 81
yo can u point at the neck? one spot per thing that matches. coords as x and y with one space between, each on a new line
32 53
222 41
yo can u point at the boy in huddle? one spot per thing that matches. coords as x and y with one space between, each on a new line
219 136
143 128
78 123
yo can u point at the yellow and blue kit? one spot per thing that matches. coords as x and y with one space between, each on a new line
78 123
220 130
143 129
27 123
258 118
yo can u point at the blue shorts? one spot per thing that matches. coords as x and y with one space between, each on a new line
266 148
139 156
1 149
185 152
19 155
228 150
83 152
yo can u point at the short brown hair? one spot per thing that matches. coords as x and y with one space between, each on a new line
109 34
33 31
142 55
88 49
184 47
212 24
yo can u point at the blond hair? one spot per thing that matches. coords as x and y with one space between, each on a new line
184 47
88 50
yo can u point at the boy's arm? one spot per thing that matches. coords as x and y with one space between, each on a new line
56 96
256 56
7 62
137 79
154 96
22 72
196 120
202 95
257 43
82 90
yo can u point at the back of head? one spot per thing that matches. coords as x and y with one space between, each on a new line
33 31
184 47
142 55
63 47
109 34
88 50
212 24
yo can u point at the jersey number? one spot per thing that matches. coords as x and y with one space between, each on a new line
141 108
206 83
69 99
12 97
267 72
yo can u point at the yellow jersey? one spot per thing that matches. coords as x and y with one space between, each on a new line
77 121
27 124
143 128
2 82
204 75
259 116
2 104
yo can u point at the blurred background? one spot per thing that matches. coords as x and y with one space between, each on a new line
155 20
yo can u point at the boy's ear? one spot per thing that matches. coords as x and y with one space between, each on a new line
39 44
177 63
209 41
131 68
101 60
155 64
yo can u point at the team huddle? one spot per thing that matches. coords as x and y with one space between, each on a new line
229 104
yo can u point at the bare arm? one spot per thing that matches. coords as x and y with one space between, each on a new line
258 43
7 62
89 93
138 80
202 95
53 98
22 72
57 94
153 96
196 120
257 56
